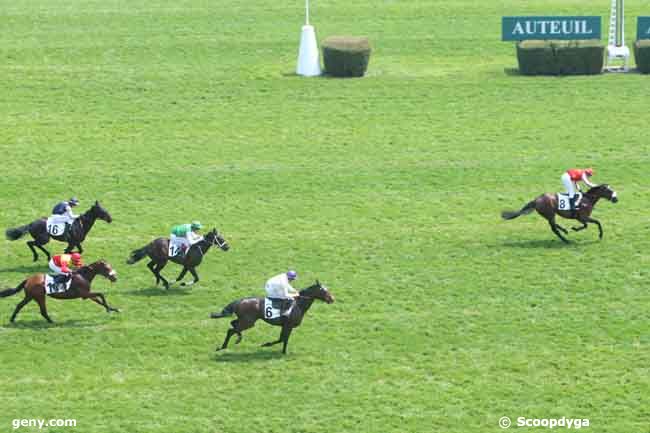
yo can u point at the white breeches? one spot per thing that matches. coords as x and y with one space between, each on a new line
179 241
58 219
276 294
54 268
568 184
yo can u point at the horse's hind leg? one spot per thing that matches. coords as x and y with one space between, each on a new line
565 231
151 265
556 231
99 298
41 305
229 334
237 326
31 244
157 273
19 307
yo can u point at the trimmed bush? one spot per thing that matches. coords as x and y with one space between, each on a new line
346 56
560 57
642 55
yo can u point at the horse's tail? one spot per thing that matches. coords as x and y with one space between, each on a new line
137 255
227 311
508 215
17 233
11 292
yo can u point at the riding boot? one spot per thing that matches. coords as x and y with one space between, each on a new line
67 233
572 202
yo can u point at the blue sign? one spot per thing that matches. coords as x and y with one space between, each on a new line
643 28
523 28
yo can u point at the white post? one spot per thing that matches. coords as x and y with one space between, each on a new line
616 49
308 58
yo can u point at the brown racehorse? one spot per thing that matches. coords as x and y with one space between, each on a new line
78 231
82 278
250 310
157 252
546 205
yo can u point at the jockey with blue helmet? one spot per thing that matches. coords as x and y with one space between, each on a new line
279 287
64 210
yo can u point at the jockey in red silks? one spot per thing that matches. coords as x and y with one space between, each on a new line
59 264
570 179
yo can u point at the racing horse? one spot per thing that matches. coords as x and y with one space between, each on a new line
81 280
78 231
547 206
157 250
250 310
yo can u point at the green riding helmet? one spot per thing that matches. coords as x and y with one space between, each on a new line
196 226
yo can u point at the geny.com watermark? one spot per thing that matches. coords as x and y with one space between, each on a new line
43 423
551 423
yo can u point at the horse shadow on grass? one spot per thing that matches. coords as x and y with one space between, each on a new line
159 291
42 324
260 356
546 244
32 269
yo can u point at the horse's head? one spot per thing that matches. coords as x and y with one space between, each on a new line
604 191
104 269
214 238
99 212
318 291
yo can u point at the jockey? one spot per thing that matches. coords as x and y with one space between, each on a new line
279 287
64 209
570 179
186 235
59 265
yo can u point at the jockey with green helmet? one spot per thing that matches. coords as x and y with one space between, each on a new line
183 236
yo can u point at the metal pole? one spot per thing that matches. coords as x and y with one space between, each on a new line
306 12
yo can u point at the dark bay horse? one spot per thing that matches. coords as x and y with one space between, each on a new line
78 231
157 250
250 310
546 205
82 278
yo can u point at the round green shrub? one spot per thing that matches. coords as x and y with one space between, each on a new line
346 56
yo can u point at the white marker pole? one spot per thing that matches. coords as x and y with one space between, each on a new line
308 59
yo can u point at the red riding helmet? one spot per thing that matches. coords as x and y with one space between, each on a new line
589 171
76 259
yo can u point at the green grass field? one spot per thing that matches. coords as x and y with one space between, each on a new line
388 189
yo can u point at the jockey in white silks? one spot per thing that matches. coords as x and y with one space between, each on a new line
279 287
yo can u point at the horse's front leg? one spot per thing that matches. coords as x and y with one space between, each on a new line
577 229
285 339
195 275
182 275
595 221
99 298
81 250
565 231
